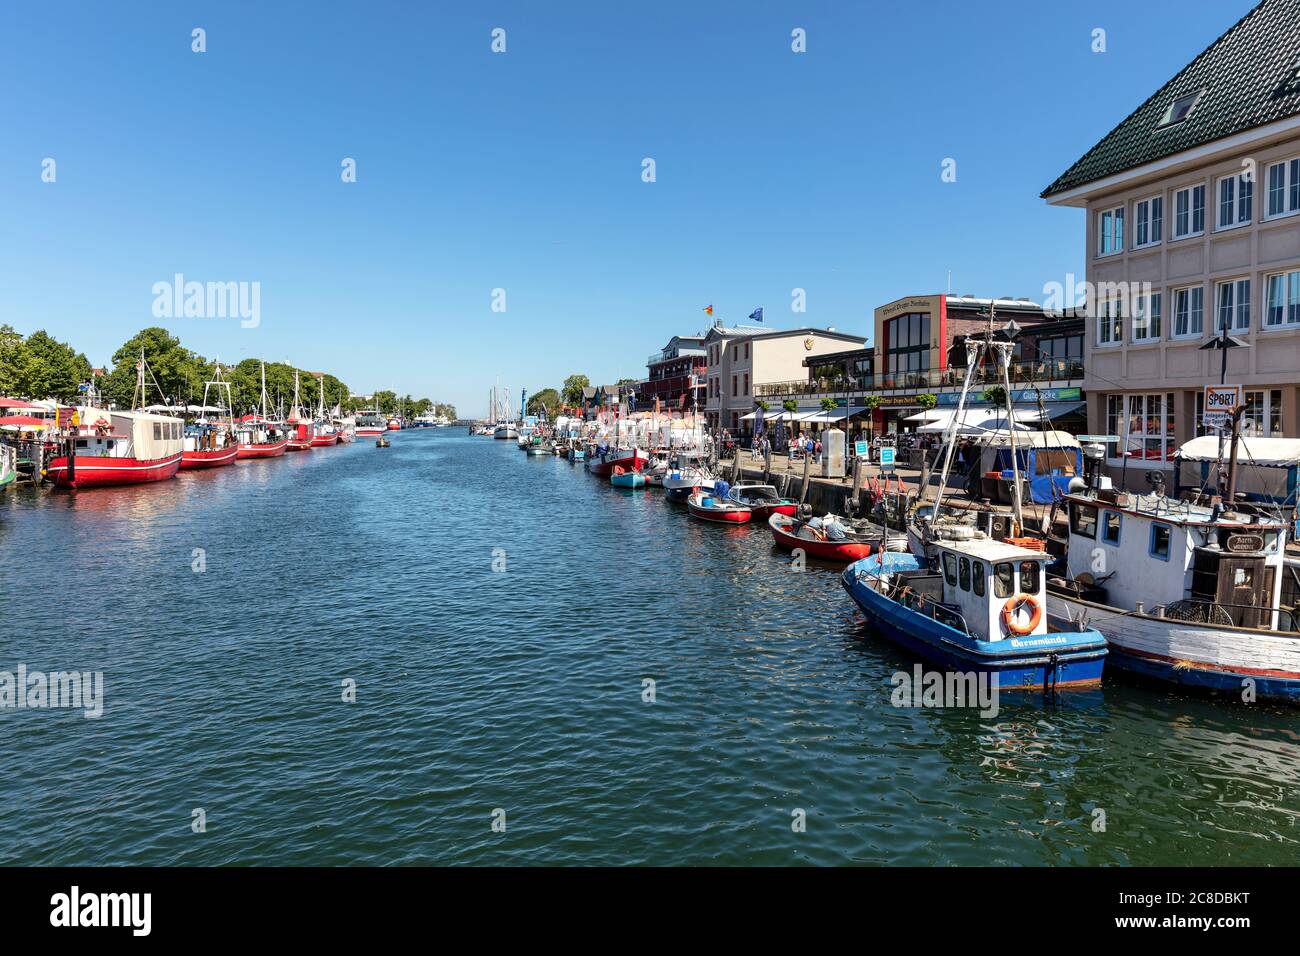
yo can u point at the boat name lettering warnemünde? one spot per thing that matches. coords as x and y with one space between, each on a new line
36 690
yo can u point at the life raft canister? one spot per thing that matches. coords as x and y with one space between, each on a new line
1009 614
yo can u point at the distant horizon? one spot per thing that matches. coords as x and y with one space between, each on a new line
381 195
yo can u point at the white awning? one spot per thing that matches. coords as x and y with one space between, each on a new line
929 415
1277 452
978 421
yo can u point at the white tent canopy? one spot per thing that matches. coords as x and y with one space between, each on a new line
1277 452
979 421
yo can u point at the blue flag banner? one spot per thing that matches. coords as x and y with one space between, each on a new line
757 314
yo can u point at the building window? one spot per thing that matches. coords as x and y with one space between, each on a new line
1284 188
1111 522
1159 542
1149 214
1110 322
1189 312
1283 300
1189 212
1111 231
747 351
1146 317
1236 200
733 386
1263 415
907 355
745 391
1145 425
1234 306
1180 109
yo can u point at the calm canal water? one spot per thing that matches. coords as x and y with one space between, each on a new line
522 690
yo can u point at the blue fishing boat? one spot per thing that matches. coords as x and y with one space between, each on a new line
627 479
983 610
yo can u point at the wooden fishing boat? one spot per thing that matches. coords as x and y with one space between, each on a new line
716 506
763 500
119 448
792 533
983 611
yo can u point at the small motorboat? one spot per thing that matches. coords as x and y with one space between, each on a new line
832 538
716 506
626 479
764 501
983 611
382 442
682 481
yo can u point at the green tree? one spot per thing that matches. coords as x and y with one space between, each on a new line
572 389
547 399
790 405
927 401
828 404
995 395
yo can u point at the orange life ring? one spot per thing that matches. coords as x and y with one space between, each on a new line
1008 614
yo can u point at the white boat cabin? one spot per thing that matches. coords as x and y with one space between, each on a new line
1145 553
981 577
139 435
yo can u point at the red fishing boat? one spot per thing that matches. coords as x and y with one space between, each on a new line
629 459
302 432
261 437
118 448
708 507
210 449
792 534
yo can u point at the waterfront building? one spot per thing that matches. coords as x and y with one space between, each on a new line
740 361
676 375
1192 224
920 354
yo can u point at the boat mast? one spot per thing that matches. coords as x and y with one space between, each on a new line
1004 360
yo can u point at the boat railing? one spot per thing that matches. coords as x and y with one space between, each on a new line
915 601
1203 611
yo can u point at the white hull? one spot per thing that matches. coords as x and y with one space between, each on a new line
1178 646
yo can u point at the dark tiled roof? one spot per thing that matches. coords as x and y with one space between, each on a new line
1242 74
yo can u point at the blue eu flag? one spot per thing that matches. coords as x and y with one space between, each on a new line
757 314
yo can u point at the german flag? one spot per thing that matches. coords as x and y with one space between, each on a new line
708 310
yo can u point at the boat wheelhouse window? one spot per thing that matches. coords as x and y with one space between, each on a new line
1110 526
963 573
157 431
1083 520
1029 577
950 567
1004 579
83 443
977 577
1160 541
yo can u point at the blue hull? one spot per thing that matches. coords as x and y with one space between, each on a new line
1059 659
1228 683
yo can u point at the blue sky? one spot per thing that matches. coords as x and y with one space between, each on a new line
522 170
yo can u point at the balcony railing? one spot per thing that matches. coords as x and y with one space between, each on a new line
1021 374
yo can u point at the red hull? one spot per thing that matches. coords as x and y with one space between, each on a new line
94 472
192 460
604 469
274 450
728 516
296 445
371 431
845 551
321 441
